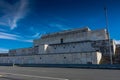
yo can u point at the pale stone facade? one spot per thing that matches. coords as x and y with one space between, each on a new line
77 46
66 58
78 40
72 36
21 51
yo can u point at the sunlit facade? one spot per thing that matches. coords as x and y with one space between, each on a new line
77 46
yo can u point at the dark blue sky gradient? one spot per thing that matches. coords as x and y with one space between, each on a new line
47 16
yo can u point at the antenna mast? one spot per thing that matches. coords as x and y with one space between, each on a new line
108 34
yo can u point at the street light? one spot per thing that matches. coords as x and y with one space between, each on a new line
108 34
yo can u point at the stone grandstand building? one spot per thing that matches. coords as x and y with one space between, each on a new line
77 46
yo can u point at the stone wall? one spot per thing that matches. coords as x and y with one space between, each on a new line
82 46
66 58
72 37
22 51
66 48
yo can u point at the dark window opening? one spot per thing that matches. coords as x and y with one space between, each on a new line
36 46
73 46
40 58
64 57
89 62
61 40
97 50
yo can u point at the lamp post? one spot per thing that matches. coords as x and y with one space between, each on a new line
108 34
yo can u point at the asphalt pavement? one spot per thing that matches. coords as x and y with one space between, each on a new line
44 73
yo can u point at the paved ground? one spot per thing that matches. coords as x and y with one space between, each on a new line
33 73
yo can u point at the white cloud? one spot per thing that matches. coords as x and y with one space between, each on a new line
37 35
59 26
117 41
12 13
14 37
29 40
3 50
8 36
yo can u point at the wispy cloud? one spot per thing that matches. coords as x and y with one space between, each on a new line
29 40
117 41
9 36
3 50
37 33
59 26
12 13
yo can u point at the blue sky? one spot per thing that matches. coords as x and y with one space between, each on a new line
21 21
